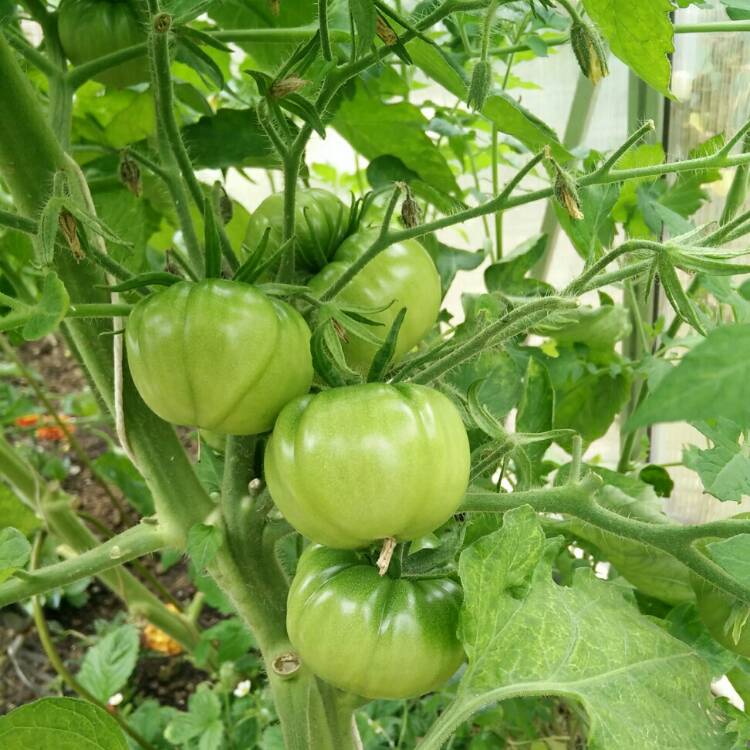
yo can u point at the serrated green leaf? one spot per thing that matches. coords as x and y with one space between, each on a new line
508 274
230 138
595 231
108 664
724 469
203 543
583 641
513 119
60 724
15 551
710 382
364 16
204 710
14 512
733 555
375 128
50 309
536 410
188 52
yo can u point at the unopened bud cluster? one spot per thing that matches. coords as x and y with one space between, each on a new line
589 51
481 80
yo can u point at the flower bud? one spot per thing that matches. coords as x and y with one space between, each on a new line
69 228
130 175
410 213
565 189
567 193
286 86
589 51
481 79
386 34
223 203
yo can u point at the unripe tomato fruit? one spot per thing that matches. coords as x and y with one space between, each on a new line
360 463
377 637
320 222
727 619
94 28
218 355
403 274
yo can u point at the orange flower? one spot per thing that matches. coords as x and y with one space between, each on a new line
27 420
157 640
52 431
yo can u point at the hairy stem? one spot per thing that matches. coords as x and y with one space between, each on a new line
130 544
578 500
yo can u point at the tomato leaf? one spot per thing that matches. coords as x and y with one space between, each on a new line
584 641
202 720
230 138
536 411
640 33
50 309
15 551
733 555
375 128
60 724
203 543
511 118
364 16
204 65
595 231
108 664
709 382
724 469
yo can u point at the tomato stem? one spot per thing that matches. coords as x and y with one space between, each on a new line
386 553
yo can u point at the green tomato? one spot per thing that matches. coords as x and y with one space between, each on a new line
403 275
353 465
218 355
726 618
320 223
374 636
94 28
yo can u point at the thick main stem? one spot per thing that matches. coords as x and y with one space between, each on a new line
311 712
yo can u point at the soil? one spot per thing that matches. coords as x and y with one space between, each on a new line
25 673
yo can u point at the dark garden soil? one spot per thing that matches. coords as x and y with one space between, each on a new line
25 673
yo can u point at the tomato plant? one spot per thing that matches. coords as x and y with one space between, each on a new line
218 355
373 635
271 309
92 28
